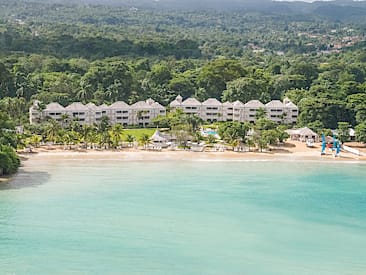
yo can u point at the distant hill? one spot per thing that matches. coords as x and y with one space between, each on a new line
345 10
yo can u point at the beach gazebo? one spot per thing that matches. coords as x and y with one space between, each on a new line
303 134
159 139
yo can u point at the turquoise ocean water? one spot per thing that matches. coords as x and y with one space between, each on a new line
180 217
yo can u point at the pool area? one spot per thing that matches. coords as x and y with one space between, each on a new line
209 132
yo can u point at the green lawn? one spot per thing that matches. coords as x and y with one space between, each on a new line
137 133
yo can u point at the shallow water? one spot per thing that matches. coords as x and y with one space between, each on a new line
118 217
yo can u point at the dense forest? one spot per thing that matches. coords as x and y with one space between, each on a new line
103 53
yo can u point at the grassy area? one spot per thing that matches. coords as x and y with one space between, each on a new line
137 133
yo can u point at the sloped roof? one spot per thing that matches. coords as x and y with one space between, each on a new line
227 104
92 106
141 105
175 103
104 106
119 105
150 101
212 102
275 104
307 132
302 132
54 106
77 106
158 137
254 104
291 105
157 105
238 104
191 102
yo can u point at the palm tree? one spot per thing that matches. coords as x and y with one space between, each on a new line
261 113
52 130
35 140
67 138
64 120
194 121
250 143
144 140
116 134
211 139
197 137
75 126
130 139
85 134
85 93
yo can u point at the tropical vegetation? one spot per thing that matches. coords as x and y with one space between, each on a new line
50 51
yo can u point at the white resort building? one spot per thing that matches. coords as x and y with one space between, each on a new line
143 112
213 110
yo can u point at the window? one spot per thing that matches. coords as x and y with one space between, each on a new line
124 112
252 110
119 117
118 112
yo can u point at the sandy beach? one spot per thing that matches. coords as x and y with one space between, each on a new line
291 151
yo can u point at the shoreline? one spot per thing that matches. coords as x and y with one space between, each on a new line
293 154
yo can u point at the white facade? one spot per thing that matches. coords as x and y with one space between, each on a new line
119 112
227 111
291 111
78 112
141 113
238 111
251 109
213 110
54 111
192 106
276 111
